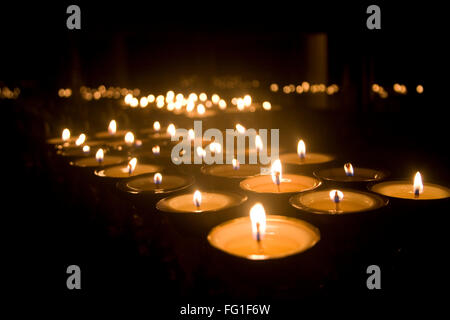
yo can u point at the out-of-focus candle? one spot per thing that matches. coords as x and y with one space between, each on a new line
132 169
261 237
348 173
415 190
337 201
100 159
304 158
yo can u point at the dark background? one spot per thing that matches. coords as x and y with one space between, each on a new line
156 47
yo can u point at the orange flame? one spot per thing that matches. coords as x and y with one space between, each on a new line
276 172
157 178
348 168
301 149
418 185
112 128
197 198
336 196
258 219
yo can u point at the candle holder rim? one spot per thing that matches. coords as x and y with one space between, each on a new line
385 173
319 183
331 157
374 183
274 217
204 170
74 162
160 205
122 184
99 171
382 202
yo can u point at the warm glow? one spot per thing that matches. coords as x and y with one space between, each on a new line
418 185
132 165
197 198
112 128
151 98
258 143
200 152
266 105
191 134
240 128
170 96
81 139
86 149
336 196
134 102
179 97
201 109
419 89
240 104
128 98
190 106
222 104
203 97
99 155
156 126
129 138
276 172
157 178
375 87
215 98
247 100
143 102
66 134
301 149
274 87
215 147
156 149
348 168
160 104
235 163
305 86
193 97
171 129
258 219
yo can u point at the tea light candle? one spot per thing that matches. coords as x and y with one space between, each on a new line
232 171
337 201
350 174
170 132
112 132
157 183
415 191
65 139
261 237
99 160
130 170
200 202
279 183
304 158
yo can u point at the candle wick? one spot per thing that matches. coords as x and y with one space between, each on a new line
258 238
416 193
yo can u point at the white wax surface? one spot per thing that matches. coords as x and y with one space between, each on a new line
122 171
404 190
289 183
211 201
352 202
310 158
92 162
284 236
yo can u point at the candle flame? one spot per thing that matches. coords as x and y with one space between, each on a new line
247 100
99 155
418 185
201 109
156 149
266 105
66 134
240 128
202 96
215 98
156 126
200 152
215 147
258 219
348 168
132 165
190 106
258 143
222 104
235 163
171 129
336 196
301 149
81 139
240 104
191 134
86 149
197 198
129 138
276 172
112 128
157 178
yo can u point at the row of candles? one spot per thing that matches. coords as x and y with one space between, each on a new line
258 236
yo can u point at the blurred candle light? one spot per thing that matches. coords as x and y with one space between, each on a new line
258 143
348 168
156 126
65 135
143 102
157 178
240 128
336 196
418 185
222 104
151 98
190 106
301 150
200 152
240 104
129 138
203 97
191 134
133 103
215 98
128 98
81 139
266 105
170 95
132 165
201 109
419 89
86 149
274 87
247 100
156 150
276 173
99 155
235 164
197 199
171 130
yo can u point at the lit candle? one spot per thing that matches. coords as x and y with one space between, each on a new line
200 202
156 184
100 159
65 138
233 171
133 168
156 150
261 237
416 190
81 139
337 201
278 182
111 132
348 173
129 138
304 158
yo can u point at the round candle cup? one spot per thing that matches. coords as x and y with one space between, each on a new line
190 220
92 161
360 175
310 158
290 183
228 171
145 184
122 171
284 237
106 135
403 189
